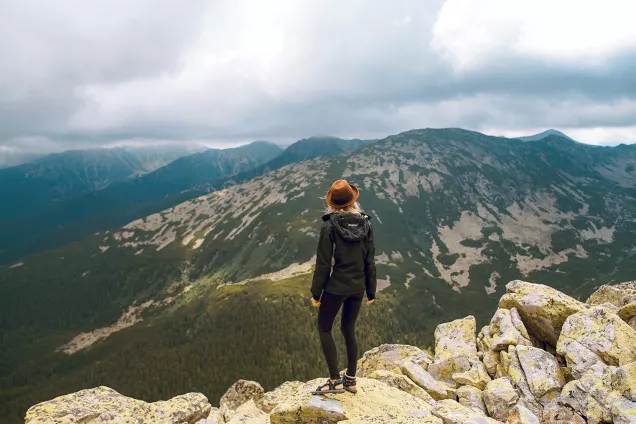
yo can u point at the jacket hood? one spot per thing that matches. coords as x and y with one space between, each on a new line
351 227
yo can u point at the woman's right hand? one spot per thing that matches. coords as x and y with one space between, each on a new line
315 303
370 301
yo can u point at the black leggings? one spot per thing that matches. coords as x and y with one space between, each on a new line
329 306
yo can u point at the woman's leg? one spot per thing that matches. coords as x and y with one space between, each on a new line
329 307
348 326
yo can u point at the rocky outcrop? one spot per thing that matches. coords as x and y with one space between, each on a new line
241 392
389 357
103 404
375 402
542 308
544 357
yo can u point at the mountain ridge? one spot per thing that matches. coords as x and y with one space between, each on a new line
184 179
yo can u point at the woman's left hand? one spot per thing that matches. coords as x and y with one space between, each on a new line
315 303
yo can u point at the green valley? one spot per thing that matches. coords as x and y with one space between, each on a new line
217 287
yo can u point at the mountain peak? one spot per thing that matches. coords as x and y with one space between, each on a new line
544 134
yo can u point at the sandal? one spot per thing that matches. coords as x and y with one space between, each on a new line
331 387
349 384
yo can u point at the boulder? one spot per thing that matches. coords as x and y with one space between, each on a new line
490 358
595 398
504 364
624 381
500 398
477 376
627 312
437 390
593 335
520 382
559 413
455 349
542 309
389 357
249 413
541 371
375 402
472 397
103 404
241 392
280 393
215 417
632 323
403 383
522 415
504 333
617 294
452 412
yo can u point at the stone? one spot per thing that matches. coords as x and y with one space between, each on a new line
627 312
280 393
103 404
489 358
632 323
375 402
610 306
558 413
504 364
623 411
624 381
249 413
403 383
522 415
541 370
542 309
500 398
452 412
471 397
517 322
215 417
519 382
477 376
504 332
241 392
423 379
388 357
455 348
616 294
596 334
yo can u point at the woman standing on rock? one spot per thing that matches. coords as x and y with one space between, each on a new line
345 269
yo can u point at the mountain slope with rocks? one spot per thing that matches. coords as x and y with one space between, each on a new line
456 214
184 179
37 221
544 357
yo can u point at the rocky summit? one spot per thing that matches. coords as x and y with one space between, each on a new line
543 358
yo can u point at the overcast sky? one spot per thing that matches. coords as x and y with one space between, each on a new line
77 73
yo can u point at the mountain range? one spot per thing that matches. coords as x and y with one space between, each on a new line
218 285
47 224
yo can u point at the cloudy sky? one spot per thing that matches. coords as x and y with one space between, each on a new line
77 73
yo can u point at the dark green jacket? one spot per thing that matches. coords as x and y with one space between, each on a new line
348 239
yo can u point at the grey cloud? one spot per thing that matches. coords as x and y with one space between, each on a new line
92 73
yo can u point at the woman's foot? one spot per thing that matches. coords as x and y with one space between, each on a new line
331 386
349 383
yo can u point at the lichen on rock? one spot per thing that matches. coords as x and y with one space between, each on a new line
241 392
388 357
542 309
103 404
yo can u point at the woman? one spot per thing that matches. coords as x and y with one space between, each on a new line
345 269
